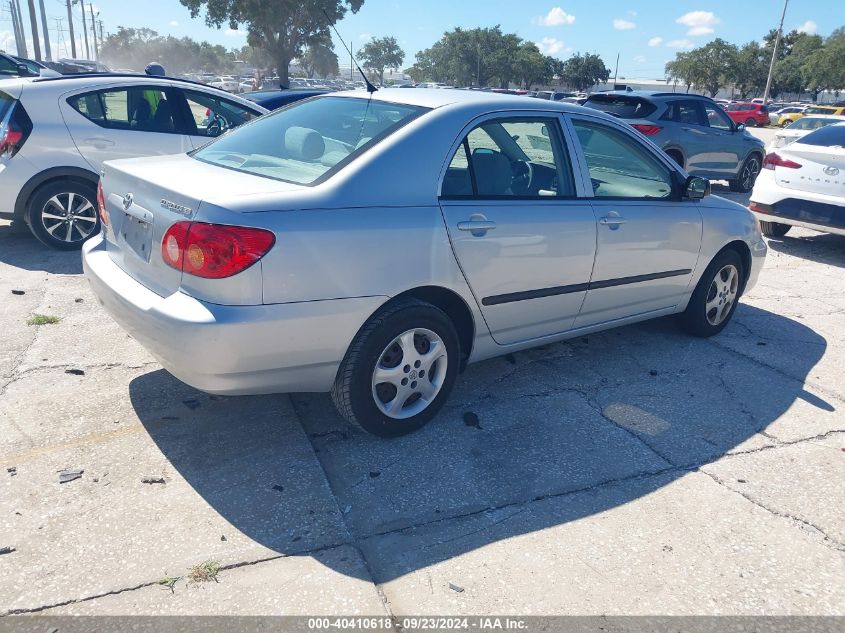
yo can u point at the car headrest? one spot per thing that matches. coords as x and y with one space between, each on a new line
493 175
304 143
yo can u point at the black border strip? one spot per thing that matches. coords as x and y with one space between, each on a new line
594 285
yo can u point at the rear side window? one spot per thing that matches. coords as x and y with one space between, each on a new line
622 106
309 140
830 136
212 116
686 112
139 109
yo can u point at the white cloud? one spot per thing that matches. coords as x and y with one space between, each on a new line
623 25
655 41
235 33
633 14
556 17
699 22
640 59
552 46
808 27
684 43
174 23
364 36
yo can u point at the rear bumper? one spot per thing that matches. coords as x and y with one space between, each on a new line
813 211
231 350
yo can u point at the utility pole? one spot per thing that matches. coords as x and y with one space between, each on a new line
47 54
21 33
774 54
33 22
616 72
70 26
85 30
16 29
60 35
478 67
94 30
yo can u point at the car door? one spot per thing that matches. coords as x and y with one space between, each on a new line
694 135
124 122
647 237
523 238
209 115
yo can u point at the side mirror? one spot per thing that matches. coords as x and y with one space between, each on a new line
696 188
740 127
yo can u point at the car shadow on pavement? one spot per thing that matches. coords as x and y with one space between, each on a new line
19 248
526 442
824 248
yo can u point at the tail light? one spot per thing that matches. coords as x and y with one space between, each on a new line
15 132
101 203
759 207
214 251
648 130
776 160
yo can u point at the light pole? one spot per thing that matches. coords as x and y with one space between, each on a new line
33 21
47 53
774 54
70 26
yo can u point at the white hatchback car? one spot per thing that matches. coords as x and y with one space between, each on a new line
803 184
56 132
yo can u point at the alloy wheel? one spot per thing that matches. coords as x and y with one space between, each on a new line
750 172
722 295
69 217
409 373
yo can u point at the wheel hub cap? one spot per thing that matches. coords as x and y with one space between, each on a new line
69 217
722 295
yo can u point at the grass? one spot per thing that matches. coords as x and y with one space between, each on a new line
43 319
204 572
169 582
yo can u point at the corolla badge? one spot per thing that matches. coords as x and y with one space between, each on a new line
128 199
178 208
831 171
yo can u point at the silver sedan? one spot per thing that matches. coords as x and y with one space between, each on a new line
374 245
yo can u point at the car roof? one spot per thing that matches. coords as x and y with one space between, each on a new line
434 98
651 94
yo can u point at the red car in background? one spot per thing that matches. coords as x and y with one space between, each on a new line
749 114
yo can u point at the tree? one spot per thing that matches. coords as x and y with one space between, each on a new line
320 59
823 68
530 66
582 72
378 54
708 67
683 69
284 28
135 48
750 69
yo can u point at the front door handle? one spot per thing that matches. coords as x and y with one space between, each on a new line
478 225
612 220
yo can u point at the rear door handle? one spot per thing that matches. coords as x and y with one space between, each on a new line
477 225
99 143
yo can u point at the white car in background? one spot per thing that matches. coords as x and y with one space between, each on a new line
802 127
803 184
227 83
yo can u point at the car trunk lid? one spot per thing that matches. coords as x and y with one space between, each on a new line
822 169
145 196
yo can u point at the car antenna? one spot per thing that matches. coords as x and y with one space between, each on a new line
370 87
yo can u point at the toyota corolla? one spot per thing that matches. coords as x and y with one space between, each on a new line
372 246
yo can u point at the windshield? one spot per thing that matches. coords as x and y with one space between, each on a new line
621 106
309 140
812 123
830 136
820 111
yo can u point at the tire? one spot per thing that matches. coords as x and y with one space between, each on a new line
747 175
362 400
676 156
774 229
750 122
699 319
47 209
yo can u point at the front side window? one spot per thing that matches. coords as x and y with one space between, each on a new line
511 158
212 115
309 140
716 118
139 109
621 167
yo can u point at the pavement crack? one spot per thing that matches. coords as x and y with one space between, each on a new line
828 540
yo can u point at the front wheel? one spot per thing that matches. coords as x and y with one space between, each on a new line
399 370
747 175
716 296
63 214
774 229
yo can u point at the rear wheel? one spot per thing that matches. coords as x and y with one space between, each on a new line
747 175
715 298
399 370
63 214
774 229
749 122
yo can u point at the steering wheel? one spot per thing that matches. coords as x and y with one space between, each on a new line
216 127
523 176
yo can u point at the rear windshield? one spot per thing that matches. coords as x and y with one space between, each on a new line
829 136
622 106
6 103
309 140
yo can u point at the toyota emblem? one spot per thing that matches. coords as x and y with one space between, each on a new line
128 199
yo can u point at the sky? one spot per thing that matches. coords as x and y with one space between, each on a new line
645 33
